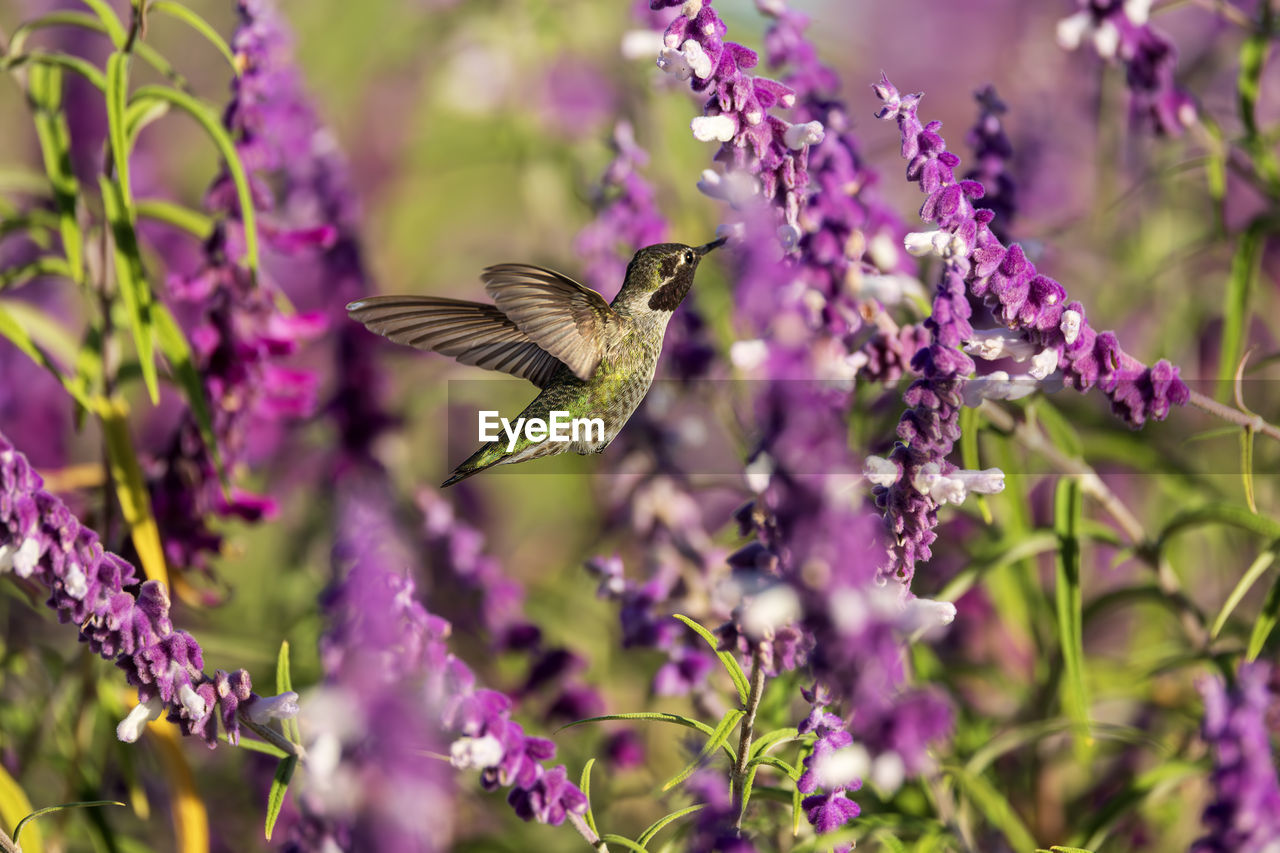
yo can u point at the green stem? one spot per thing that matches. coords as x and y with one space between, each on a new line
748 731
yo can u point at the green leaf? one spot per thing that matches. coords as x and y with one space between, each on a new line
621 841
1068 506
209 121
43 265
117 122
1265 623
13 805
994 807
659 716
657 826
1165 776
828 840
138 115
279 786
1246 466
777 763
58 62
131 489
132 280
1218 513
84 804
584 784
284 684
768 740
1245 264
110 21
257 746
1247 580
84 20
200 25
718 739
728 659
177 351
44 92
970 422
1253 58
13 330
196 223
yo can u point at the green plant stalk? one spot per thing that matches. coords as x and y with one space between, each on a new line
747 731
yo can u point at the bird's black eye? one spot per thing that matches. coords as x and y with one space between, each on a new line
688 257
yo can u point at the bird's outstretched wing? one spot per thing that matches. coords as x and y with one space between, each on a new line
560 315
472 333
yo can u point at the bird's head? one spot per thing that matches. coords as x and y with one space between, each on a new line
659 276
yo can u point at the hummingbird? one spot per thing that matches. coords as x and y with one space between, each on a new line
591 359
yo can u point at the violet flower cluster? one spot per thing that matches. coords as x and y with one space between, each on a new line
42 541
1244 814
384 650
1041 325
239 335
763 155
1119 31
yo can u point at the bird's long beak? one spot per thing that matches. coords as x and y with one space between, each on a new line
714 244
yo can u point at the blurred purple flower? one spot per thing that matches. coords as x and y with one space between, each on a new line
42 541
1244 816
714 829
1118 31
992 152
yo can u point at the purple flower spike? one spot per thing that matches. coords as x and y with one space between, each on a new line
43 542
1119 32
762 154
1244 816
1044 327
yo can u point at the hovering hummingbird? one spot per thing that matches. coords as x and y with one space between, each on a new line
591 359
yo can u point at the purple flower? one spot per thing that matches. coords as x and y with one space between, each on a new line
1244 815
1119 31
917 478
762 154
42 541
992 151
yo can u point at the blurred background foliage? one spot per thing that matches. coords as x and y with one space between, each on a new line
475 133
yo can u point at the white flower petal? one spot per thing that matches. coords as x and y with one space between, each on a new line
132 726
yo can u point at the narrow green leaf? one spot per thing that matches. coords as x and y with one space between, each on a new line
200 25
44 92
208 120
279 786
17 830
769 740
43 265
1246 466
1165 776
748 785
657 826
1218 513
1265 623
138 115
970 421
1253 58
828 840
1246 582
728 659
84 20
257 746
58 62
284 684
13 330
177 351
131 489
778 764
622 841
1245 264
718 738
115 30
584 785
132 280
13 806
994 807
1068 507
196 223
658 716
